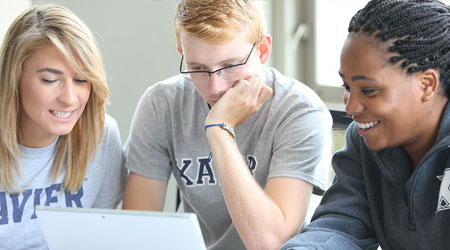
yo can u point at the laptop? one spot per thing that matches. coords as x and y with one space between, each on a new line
113 229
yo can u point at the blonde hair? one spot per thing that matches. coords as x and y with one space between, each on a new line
57 26
218 21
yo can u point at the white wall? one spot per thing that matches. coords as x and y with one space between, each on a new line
9 10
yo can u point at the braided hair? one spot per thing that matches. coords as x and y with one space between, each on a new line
419 29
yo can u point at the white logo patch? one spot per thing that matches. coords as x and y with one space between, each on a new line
444 191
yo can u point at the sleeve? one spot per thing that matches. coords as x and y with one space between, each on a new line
147 149
302 146
342 221
115 176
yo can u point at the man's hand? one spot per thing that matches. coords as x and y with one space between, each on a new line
239 102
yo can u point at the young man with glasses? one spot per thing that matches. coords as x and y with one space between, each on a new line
247 145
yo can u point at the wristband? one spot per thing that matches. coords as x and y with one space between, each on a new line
223 126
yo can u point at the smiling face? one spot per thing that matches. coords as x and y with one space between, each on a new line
201 55
386 103
52 96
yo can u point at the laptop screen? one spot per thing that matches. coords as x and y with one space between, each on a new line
90 228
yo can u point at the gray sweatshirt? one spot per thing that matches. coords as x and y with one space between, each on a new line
375 200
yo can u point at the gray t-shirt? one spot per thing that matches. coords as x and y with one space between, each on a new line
290 136
102 188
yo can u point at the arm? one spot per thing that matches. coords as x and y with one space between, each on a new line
342 221
142 193
146 157
264 218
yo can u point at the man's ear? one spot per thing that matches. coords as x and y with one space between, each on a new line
264 48
429 81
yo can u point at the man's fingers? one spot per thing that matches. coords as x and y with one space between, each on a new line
264 93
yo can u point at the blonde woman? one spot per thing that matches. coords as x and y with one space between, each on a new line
57 147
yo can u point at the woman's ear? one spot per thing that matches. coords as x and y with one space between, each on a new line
429 81
264 48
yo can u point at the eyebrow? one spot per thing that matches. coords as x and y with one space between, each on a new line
55 71
231 60
358 78
221 62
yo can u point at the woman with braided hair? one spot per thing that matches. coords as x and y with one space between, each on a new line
392 178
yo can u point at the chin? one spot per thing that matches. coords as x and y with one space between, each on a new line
373 145
65 131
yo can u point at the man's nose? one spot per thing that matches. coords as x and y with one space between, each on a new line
217 85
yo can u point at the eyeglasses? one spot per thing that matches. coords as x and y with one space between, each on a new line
231 72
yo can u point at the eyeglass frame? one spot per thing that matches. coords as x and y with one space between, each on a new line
217 70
